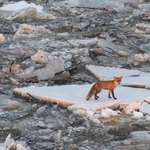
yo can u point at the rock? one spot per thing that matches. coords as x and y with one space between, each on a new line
57 137
41 124
98 52
5 69
144 7
1 38
122 37
34 106
9 141
65 74
136 13
145 48
137 31
59 44
24 14
15 68
123 53
142 25
60 25
28 33
13 146
119 3
8 103
2 15
138 57
74 147
14 81
41 110
64 34
145 57
53 66
45 16
137 115
149 57
123 9
83 43
147 86
27 73
147 30
40 56
107 46
20 147
139 1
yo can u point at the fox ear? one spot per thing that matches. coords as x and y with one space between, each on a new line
121 77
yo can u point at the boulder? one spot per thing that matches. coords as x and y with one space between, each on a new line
9 104
45 16
123 53
123 9
144 7
2 15
107 46
40 56
53 66
137 31
27 33
145 48
136 13
138 57
83 43
24 14
119 3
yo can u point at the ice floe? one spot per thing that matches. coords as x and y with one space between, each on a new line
74 96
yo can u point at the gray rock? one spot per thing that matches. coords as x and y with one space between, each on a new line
27 73
94 3
145 48
57 136
45 16
105 45
28 33
144 7
136 13
24 14
2 14
7 103
83 43
119 3
54 65
123 9
41 110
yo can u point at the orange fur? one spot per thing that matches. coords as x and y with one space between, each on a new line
108 85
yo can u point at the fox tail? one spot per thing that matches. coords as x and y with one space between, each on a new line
91 92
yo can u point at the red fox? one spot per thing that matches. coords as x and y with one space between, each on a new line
108 85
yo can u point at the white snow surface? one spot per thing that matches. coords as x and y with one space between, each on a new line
21 5
129 76
75 95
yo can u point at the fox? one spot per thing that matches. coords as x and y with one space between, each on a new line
108 85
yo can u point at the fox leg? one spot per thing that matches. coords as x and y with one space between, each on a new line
95 94
109 94
112 92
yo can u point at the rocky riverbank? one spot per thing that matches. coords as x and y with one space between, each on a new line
50 45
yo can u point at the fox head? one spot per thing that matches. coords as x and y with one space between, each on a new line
118 79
